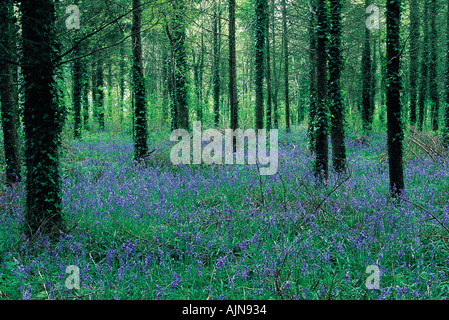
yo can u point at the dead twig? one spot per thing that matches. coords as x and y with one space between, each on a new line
43 282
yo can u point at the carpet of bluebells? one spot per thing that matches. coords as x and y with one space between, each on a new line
153 230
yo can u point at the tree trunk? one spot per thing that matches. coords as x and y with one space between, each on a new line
94 89
393 82
322 148
414 55
122 81
312 76
43 184
109 84
200 79
335 95
367 113
423 90
85 93
198 69
433 85
8 94
275 79
268 71
286 66
216 64
100 93
141 134
171 91
259 70
77 89
180 63
373 83
233 103
165 83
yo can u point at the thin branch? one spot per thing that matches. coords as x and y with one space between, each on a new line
78 42
103 48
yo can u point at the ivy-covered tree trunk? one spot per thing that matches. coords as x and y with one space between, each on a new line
198 70
423 86
312 75
164 85
180 62
171 84
43 184
275 86
100 93
373 82
336 104
196 81
7 93
141 132
268 72
77 89
321 122
414 56
122 81
94 88
367 113
433 75
109 84
216 63
286 66
446 107
200 79
85 93
233 102
393 89
259 65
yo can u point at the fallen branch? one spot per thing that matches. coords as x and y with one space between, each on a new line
419 144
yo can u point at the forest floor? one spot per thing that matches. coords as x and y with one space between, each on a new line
154 230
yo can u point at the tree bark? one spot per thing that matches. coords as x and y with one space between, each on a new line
141 132
367 113
286 65
414 56
43 184
312 76
180 62
122 81
268 72
233 102
393 82
275 79
100 92
322 147
7 94
336 105
433 85
259 70
77 90
423 87
216 63
85 93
